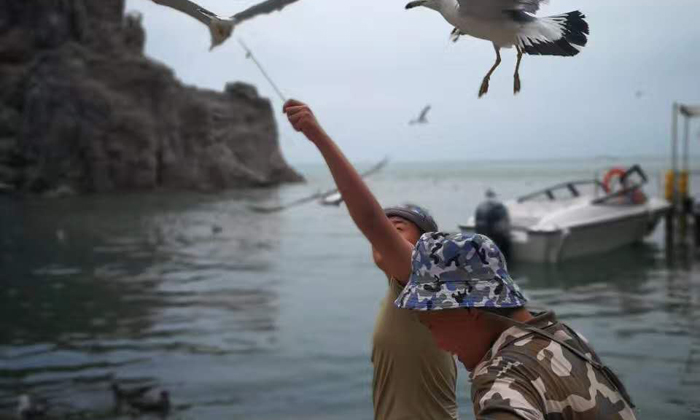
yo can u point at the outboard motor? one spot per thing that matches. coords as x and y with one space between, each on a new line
493 221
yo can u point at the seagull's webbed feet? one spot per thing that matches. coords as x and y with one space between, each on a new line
484 87
485 83
516 76
455 34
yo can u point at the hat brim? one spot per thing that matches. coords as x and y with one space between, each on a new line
422 295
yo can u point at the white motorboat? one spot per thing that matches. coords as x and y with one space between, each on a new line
578 218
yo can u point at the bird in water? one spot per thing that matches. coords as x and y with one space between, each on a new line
28 409
127 395
422 117
160 405
221 27
508 23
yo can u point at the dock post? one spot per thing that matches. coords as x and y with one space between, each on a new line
671 183
696 224
669 228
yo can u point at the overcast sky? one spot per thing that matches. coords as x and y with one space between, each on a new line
368 66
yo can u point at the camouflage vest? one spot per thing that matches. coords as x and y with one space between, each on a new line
530 376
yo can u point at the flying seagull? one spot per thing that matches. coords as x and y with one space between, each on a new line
334 198
330 197
421 118
508 23
221 27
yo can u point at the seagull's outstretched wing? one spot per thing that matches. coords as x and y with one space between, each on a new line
495 8
220 28
300 201
263 8
424 112
319 195
187 7
334 198
376 168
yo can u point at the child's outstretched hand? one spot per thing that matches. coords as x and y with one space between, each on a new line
302 119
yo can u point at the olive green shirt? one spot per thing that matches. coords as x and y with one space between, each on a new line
413 379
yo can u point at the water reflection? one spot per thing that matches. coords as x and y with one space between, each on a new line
93 290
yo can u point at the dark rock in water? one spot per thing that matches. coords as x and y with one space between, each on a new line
82 109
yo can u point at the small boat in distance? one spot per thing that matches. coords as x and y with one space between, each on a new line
578 218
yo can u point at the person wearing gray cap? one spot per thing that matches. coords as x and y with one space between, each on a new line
523 365
413 378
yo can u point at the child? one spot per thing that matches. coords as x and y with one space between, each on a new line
413 379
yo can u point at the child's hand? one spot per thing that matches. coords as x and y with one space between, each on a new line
302 119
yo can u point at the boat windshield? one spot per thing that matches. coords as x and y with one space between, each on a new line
566 190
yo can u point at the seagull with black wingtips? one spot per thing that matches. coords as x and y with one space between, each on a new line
508 23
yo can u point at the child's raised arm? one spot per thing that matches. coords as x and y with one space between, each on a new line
364 208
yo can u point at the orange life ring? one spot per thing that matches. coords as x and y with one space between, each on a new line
612 173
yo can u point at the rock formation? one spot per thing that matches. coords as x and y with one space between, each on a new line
82 109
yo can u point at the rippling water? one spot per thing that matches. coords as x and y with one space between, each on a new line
242 315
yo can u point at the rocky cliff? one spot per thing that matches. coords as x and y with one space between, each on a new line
82 109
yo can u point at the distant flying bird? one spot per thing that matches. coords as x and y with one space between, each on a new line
421 118
508 23
221 27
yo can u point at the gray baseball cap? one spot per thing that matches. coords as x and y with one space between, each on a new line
414 214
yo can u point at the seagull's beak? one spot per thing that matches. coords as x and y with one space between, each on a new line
417 3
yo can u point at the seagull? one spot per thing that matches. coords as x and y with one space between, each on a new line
421 118
28 409
129 393
508 23
122 395
161 405
221 27
330 197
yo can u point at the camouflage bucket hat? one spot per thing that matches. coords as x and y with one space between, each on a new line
458 271
414 214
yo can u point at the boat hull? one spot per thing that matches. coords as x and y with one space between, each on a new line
556 245
580 241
